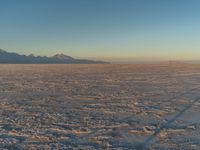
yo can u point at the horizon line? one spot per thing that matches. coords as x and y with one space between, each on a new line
114 59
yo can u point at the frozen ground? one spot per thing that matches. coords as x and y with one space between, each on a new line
100 107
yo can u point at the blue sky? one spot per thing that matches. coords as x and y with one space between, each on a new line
102 29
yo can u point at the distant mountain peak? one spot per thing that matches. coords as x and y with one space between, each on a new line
14 58
62 57
2 51
31 55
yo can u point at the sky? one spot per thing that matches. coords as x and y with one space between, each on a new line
122 30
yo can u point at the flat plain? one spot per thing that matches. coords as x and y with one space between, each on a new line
100 106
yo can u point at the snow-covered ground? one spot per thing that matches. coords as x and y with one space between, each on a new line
100 106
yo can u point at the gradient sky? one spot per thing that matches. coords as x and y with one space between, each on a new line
102 29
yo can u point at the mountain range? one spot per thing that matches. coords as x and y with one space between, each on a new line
14 58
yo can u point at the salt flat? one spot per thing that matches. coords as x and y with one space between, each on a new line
100 106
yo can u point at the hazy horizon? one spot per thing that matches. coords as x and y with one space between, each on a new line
114 30
117 60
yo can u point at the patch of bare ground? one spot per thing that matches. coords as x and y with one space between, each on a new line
109 106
